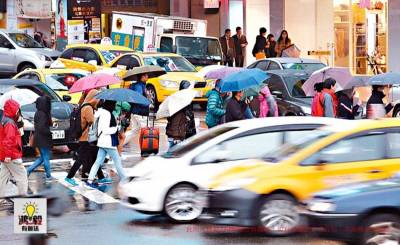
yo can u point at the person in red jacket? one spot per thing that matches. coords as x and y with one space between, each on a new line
11 149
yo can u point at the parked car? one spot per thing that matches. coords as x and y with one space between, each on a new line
19 51
272 64
169 183
91 57
286 85
178 69
359 213
266 193
59 80
60 110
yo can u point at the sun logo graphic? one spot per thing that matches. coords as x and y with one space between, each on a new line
30 215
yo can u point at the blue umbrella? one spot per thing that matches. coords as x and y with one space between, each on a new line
243 79
385 79
123 94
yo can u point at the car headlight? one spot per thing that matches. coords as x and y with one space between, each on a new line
169 84
235 184
306 110
321 206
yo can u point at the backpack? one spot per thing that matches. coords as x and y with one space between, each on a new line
75 122
93 134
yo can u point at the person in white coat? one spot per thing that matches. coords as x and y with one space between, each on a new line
107 141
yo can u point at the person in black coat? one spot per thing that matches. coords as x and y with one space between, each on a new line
345 109
375 106
191 124
235 108
42 137
261 42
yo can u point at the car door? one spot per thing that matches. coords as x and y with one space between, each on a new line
391 164
7 55
278 88
352 159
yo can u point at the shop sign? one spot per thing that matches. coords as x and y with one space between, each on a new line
211 4
33 9
83 9
76 31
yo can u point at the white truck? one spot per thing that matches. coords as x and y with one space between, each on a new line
152 32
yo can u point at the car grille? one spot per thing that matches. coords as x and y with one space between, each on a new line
200 85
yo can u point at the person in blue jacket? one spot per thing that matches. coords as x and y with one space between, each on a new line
215 107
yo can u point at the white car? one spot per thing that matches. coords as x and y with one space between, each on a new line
169 183
284 63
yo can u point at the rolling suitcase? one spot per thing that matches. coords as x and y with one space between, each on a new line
149 139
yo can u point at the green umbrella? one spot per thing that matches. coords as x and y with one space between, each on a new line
253 91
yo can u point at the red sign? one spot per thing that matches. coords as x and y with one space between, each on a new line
211 4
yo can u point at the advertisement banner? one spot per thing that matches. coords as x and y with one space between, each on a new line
34 9
61 24
83 9
76 31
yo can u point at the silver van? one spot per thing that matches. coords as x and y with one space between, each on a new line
19 51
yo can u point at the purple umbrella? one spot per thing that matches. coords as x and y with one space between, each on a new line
343 77
222 72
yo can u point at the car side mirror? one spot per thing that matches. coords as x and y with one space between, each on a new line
66 98
92 62
278 94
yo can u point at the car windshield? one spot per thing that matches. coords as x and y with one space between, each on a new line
110 55
62 81
24 40
170 63
295 85
40 89
195 141
303 66
199 48
289 149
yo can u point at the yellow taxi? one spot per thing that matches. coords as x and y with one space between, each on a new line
178 69
59 80
265 192
91 57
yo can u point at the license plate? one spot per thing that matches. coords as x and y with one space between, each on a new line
58 134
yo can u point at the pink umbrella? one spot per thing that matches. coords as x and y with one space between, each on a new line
222 72
343 77
94 81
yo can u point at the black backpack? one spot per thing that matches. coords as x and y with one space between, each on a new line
75 129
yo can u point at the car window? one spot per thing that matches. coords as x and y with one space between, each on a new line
257 145
79 55
67 54
62 81
92 55
273 66
4 43
362 148
303 66
393 144
126 62
262 65
275 84
170 63
24 40
166 45
294 135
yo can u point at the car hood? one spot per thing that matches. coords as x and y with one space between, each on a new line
179 76
46 51
148 165
361 188
59 110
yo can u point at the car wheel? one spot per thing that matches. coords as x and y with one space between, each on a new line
182 203
278 215
380 229
152 94
25 67
396 112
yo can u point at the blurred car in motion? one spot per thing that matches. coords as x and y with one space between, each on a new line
169 183
60 110
91 57
19 51
286 86
59 80
358 213
273 64
266 193
178 69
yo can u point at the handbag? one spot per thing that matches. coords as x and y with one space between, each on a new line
260 55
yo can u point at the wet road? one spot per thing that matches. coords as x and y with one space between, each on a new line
96 217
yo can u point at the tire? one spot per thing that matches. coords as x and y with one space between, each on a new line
26 66
153 97
396 112
278 216
368 234
182 204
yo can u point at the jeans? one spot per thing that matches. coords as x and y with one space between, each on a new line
86 156
173 142
248 114
43 158
15 170
101 156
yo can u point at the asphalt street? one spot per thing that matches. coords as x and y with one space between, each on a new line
96 217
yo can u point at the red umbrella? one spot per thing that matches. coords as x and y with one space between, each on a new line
94 81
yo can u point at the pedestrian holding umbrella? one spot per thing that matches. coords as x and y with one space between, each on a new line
241 80
203 72
176 102
222 73
151 71
93 81
389 78
22 96
123 94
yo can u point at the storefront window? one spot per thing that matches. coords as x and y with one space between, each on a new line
361 35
